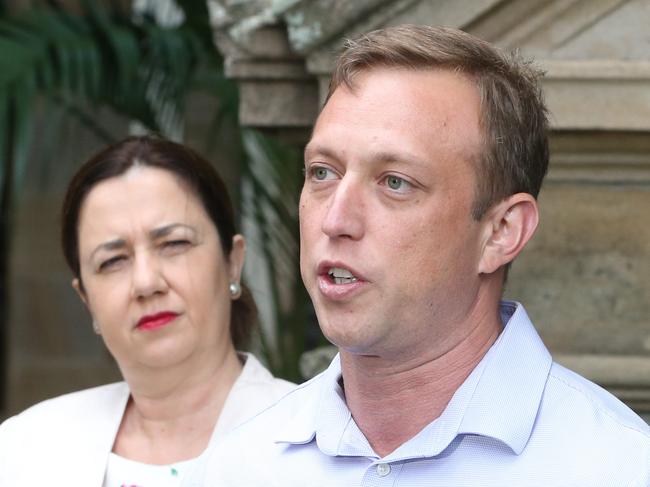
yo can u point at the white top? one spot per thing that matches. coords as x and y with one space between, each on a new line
122 472
242 401
518 420
67 440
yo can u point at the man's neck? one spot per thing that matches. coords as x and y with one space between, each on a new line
391 402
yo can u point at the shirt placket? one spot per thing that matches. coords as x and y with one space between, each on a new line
382 474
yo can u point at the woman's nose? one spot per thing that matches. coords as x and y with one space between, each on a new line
147 276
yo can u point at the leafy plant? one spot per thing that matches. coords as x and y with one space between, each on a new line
271 183
104 56
80 61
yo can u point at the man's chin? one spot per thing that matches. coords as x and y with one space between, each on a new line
349 342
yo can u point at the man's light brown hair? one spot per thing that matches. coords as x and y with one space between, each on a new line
513 117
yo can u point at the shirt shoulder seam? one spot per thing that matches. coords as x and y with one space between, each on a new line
600 407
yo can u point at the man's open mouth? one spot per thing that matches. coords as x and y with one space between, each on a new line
341 276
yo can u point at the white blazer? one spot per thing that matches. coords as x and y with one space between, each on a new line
66 441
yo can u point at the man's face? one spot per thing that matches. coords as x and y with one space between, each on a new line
389 249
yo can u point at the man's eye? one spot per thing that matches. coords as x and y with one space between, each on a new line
320 173
396 183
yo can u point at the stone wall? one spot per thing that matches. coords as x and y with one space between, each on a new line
585 277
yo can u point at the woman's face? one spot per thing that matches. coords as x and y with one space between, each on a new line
154 275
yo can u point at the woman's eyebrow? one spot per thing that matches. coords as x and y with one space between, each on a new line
165 230
116 244
120 243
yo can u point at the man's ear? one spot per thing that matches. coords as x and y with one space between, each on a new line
509 226
236 258
76 285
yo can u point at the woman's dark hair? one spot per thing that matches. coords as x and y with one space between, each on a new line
181 161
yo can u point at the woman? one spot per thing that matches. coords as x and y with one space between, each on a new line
148 232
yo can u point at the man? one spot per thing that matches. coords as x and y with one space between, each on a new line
420 189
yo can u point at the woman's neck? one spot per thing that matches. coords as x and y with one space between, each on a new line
172 412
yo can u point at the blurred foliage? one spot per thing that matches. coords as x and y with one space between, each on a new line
102 55
271 182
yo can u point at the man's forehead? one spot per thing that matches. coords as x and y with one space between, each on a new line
438 91
396 106
354 81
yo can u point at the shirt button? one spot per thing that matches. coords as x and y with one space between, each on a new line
383 469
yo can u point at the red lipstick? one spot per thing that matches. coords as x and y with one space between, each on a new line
158 320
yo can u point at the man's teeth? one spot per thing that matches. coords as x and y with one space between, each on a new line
341 276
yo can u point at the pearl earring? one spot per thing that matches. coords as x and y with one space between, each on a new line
235 289
96 328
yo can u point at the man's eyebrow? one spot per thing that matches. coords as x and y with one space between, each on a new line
383 156
387 157
312 149
380 156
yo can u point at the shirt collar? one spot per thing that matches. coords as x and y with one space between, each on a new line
319 395
499 399
507 397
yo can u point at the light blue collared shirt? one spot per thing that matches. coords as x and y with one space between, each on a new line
518 420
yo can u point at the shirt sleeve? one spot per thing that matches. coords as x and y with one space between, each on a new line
644 478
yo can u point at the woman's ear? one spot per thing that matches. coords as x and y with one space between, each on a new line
236 258
76 285
510 225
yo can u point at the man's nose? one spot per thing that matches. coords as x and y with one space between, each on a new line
147 276
345 214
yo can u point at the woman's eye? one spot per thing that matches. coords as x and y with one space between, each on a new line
174 247
176 244
111 263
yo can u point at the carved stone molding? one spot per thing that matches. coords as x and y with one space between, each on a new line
605 157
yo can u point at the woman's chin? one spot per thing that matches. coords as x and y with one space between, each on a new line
158 354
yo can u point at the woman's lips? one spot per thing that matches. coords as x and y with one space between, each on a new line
151 322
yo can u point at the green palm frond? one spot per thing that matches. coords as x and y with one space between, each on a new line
271 184
81 61
96 58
